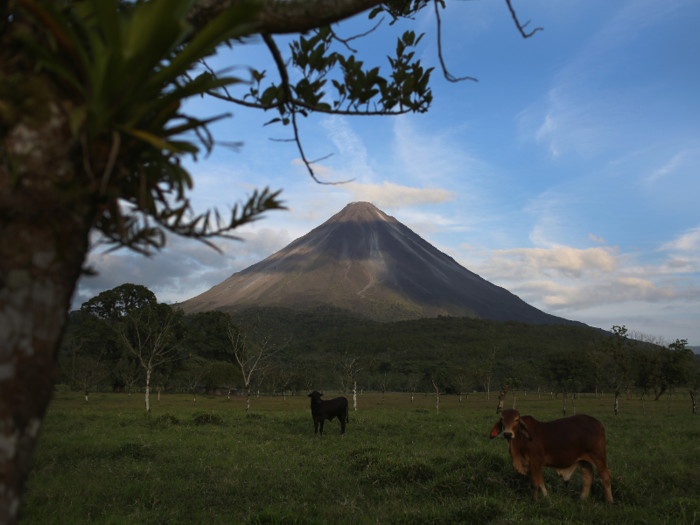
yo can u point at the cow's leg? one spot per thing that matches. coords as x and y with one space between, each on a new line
316 427
342 425
604 475
322 421
537 481
587 473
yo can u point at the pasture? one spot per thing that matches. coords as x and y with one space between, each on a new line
106 461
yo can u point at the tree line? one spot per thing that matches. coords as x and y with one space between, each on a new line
124 338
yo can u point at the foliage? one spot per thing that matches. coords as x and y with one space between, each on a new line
205 418
126 67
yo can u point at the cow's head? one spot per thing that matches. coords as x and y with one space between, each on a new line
315 397
510 424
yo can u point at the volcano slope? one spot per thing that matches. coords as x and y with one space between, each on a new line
366 261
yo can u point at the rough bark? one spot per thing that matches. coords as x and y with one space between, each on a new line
617 405
44 241
695 403
354 395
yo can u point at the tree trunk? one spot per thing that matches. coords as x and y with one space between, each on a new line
158 394
460 396
44 241
628 393
437 401
87 392
695 403
148 389
194 394
617 396
660 393
514 395
354 395
563 395
670 399
411 396
573 402
644 409
382 394
247 403
501 397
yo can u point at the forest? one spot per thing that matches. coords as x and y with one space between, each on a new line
123 340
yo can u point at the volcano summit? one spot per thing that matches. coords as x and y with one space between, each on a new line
366 261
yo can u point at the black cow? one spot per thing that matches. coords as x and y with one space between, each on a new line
322 410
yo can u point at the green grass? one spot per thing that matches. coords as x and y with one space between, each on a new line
400 463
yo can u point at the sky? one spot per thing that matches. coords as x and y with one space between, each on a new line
568 174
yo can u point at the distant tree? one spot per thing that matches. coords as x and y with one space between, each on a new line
438 379
153 335
515 383
677 362
413 379
502 396
347 367
646 363
80 368
252 351
193 372
564 370
160 380
383 380
464 379
128 371
694 384
488 365
618 348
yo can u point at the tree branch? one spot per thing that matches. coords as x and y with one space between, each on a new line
522 27
283 17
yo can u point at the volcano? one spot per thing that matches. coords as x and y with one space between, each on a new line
366 261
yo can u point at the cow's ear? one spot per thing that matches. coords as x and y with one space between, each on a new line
497 429
311 395
522 429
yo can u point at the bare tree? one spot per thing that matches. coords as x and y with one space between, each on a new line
151 335
464 378
413 380
252 356
347 368
487 368
383 379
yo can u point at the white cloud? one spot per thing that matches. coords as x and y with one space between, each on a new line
688 242
671 166
391 195
599 240
183 269
562 261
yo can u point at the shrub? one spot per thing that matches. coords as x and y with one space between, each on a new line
204 418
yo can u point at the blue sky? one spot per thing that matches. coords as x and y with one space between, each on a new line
568 174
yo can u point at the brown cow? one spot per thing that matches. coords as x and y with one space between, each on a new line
562 444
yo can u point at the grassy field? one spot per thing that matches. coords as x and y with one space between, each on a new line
106 461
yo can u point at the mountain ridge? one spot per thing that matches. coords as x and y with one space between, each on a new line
367 261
